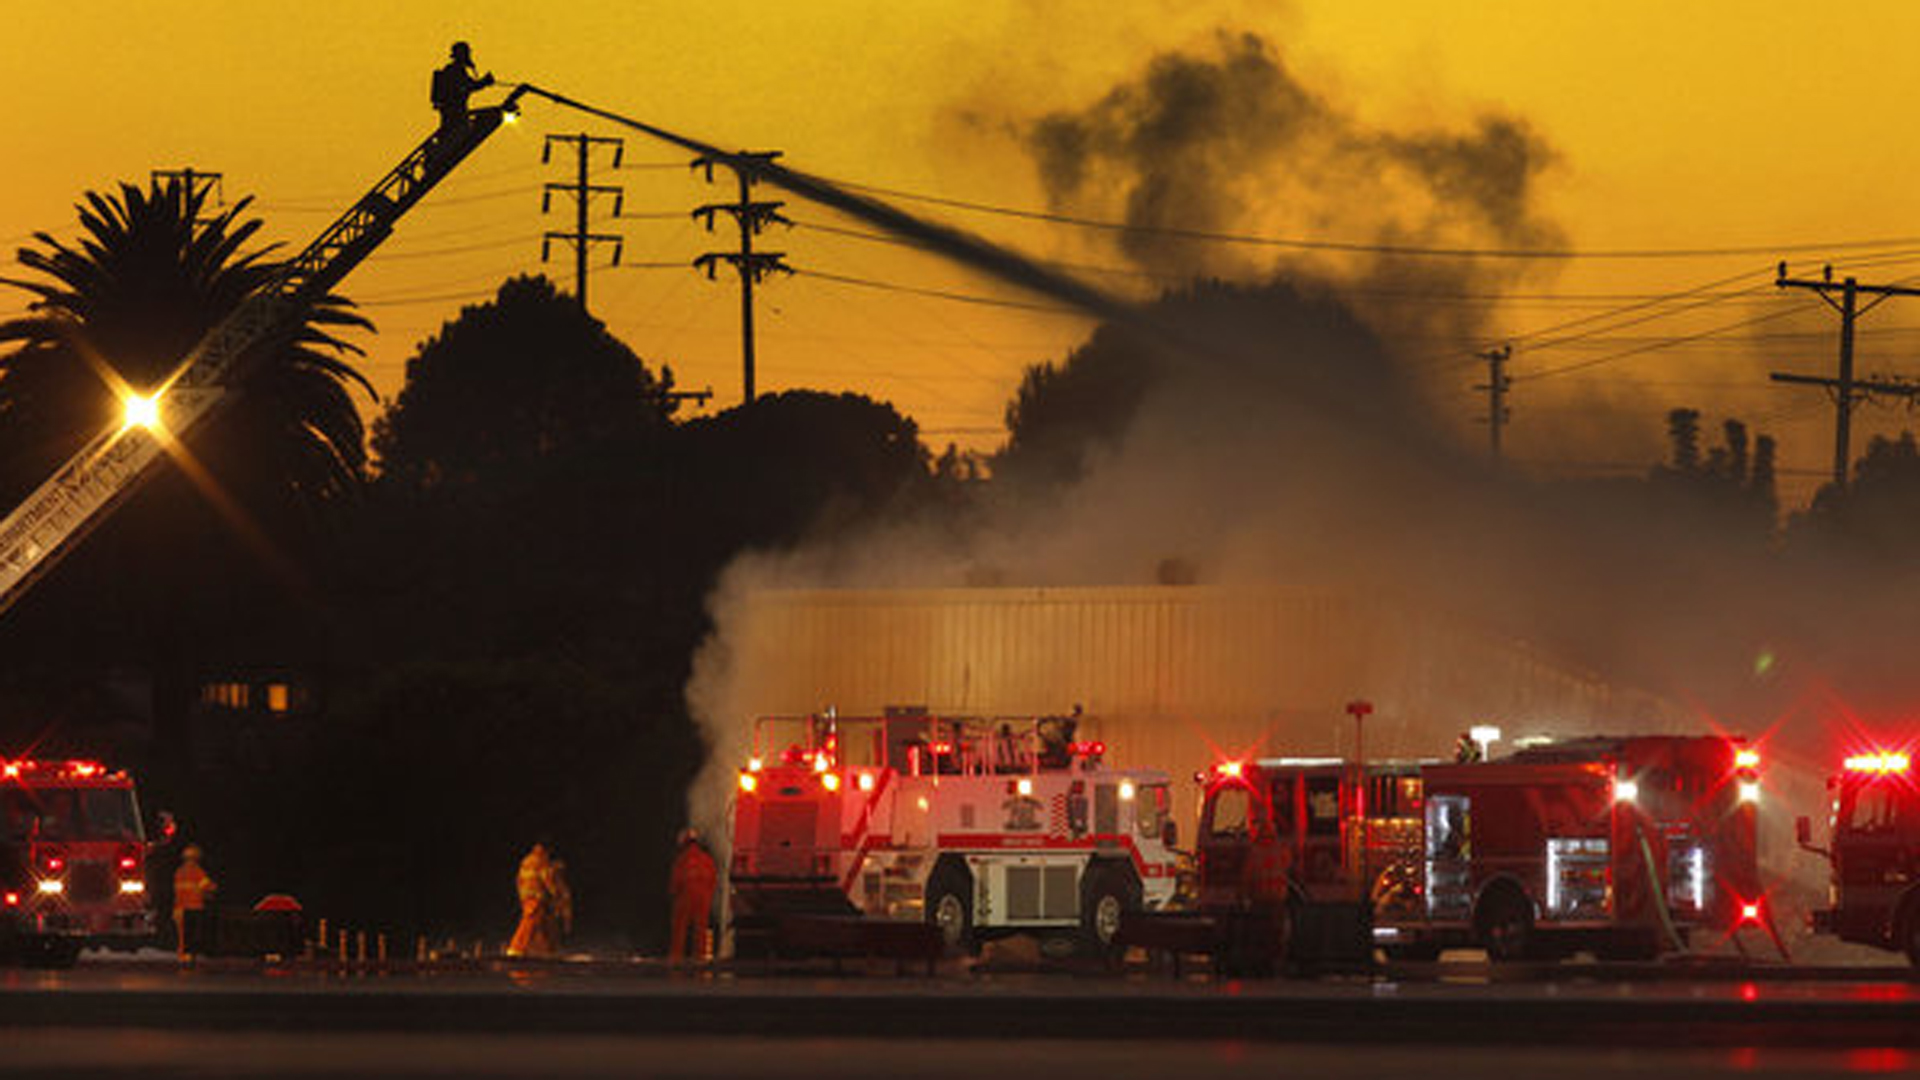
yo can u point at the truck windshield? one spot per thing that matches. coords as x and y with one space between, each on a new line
1875 807
70 814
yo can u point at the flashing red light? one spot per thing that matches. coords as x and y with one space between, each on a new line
54 863
1882 762
1228 768
85 768
1746 758
13 899
940 748
1750 912
128 862
13 768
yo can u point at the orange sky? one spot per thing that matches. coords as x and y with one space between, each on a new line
1677 126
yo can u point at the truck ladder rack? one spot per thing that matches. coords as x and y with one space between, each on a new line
111 466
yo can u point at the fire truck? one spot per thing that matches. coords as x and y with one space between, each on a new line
1626 846
73 861
1874 830
981 828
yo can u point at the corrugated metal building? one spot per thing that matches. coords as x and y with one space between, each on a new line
1172 674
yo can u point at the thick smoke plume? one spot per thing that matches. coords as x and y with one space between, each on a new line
1221 141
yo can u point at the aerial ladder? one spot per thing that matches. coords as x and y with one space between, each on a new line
51 522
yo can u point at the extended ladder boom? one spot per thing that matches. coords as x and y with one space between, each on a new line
42 529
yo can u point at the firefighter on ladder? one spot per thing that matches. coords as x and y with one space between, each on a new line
192 886
453 84
691 885
534 936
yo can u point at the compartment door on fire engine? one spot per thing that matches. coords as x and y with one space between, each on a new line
1449 856
1323 861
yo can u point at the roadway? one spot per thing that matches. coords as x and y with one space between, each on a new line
153 1018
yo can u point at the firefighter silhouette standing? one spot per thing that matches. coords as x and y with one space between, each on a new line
453 84
691 884
534 937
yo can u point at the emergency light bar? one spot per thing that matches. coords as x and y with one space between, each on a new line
1746 758
1878 763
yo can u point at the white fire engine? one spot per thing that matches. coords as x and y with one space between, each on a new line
982 828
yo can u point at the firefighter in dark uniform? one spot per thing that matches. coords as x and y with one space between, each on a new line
453 84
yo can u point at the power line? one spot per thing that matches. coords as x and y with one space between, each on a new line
1375 248
1638 350
964 298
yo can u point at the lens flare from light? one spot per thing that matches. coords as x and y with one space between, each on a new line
142 411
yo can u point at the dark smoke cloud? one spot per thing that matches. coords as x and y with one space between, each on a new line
1214 139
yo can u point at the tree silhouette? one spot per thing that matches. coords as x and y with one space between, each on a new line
149 277
1872 519
515 388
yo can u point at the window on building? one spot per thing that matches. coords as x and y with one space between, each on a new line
227 695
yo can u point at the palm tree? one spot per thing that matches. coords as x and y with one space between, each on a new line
147 279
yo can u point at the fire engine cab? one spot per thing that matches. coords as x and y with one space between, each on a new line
73 858
1874 890
981 828
1625 846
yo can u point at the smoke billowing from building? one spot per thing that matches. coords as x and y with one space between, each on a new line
1283 430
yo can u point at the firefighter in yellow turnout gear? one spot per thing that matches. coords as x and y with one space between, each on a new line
192 888
537 934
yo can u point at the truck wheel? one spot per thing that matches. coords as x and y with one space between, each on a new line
1506 927
1420 952
949 906
1107 896
51 953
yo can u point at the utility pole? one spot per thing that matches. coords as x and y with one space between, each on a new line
1496 386
583 193
750 264
193 182
1844 387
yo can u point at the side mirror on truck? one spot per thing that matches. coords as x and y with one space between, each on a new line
1803 832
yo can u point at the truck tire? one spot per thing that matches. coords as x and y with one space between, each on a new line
1505 926
1107 893
949 907
50 952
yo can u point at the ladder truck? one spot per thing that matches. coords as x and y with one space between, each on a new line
73 860
110 467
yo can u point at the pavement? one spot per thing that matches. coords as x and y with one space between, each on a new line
1449 1005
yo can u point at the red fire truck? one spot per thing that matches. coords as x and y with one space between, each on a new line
982 828
1626 846
1874 890
73 859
